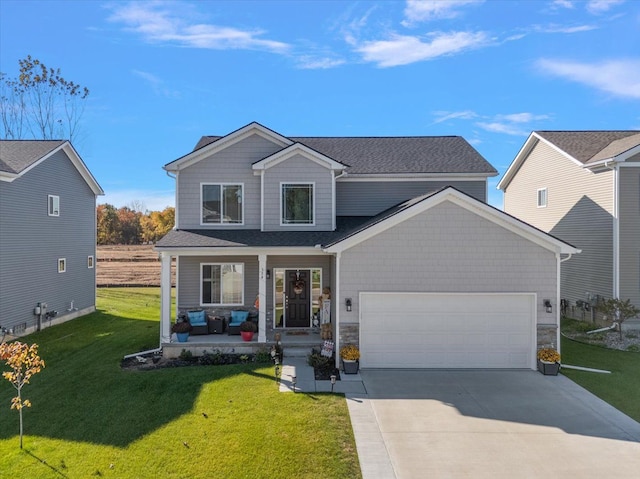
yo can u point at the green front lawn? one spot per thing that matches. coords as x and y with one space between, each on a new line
621 388
91 419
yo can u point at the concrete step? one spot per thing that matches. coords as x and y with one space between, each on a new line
296 351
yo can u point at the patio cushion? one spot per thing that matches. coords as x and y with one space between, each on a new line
197 318
238 317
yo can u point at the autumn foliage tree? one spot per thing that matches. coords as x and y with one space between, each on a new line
127 226
24 362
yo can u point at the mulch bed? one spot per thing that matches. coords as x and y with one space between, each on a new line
150 362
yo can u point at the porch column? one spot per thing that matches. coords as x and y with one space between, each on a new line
165 298
262 298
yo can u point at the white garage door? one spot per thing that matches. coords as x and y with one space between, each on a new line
436 330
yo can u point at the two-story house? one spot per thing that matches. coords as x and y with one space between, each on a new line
420 271
47 234
583 187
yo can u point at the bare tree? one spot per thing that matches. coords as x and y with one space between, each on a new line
619 311
40 103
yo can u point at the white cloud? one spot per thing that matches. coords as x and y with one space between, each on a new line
563 4
424 10
307 62
521 117
442 116
501 127
157 85
602 6
161 22
554 28
403 50
618 77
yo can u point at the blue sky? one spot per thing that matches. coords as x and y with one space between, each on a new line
164 73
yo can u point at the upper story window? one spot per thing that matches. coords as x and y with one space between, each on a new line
54 205
297 204
542 198
222 204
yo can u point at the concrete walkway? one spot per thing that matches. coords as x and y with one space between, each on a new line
481 423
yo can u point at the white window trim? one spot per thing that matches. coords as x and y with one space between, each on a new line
244 272
90 261
546 198
62 265
50 211
313 203
241 185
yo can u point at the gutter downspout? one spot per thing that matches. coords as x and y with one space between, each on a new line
558 279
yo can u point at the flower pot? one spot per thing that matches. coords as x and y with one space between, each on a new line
547 368
182 337
350 366
246 335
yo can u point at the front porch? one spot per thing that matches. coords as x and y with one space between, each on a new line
294 343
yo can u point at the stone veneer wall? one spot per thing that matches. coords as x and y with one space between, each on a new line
547 337
349 334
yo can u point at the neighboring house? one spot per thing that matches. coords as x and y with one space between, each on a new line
583 187
423 273
47 234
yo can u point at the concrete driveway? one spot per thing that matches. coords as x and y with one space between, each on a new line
488 424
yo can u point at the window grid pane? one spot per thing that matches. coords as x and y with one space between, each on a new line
222 284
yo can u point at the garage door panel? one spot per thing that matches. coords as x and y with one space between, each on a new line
431 330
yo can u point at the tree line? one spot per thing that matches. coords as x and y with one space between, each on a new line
127 225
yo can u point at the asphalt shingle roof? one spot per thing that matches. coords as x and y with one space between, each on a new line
590 146
18 155
395 155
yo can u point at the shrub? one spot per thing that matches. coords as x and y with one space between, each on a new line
248 326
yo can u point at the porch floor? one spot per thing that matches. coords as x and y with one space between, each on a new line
296 342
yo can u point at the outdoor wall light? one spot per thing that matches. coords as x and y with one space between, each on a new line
268 274
347 303
547 305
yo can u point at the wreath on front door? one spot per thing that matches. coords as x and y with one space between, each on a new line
298 286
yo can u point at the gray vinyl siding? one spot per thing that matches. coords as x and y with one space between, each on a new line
629 230
368 198
189 278
298 169
447 249
31 242
579 211
231 165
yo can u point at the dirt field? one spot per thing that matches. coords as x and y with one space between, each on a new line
124 265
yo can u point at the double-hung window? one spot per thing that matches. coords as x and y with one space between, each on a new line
222 283
53 205
297 204
222 204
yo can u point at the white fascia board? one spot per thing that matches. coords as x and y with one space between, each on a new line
297 149
241 251
8 177
82 168
491 214
524 153
227 141
75 159
396 177
622 157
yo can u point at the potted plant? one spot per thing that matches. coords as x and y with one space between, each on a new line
247 329
182 329
548 361
350 355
